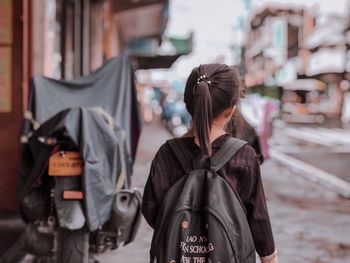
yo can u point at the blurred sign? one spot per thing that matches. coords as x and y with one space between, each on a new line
5 79
287 73
5 22
277 48
279 33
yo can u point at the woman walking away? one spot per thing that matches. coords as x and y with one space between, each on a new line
204 196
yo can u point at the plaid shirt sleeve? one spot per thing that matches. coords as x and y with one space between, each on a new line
257 213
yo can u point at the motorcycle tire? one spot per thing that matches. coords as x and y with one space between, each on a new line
72 246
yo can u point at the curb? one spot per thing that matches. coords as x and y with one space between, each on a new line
313 173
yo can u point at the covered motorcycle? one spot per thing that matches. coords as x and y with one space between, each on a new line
79 144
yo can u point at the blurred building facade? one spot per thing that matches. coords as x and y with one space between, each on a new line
65 39
285 44
272 40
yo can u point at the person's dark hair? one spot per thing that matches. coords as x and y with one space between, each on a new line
210 90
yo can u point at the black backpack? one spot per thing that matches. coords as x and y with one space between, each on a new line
200 219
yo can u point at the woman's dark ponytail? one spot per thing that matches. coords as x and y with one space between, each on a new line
210 89
202 115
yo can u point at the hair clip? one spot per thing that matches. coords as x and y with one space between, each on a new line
203 77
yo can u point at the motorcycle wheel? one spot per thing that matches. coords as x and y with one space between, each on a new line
72 246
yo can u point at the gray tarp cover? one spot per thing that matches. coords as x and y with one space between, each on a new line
110 87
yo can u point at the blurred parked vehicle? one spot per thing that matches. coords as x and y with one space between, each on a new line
175 116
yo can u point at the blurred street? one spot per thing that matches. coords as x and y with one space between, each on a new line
310 224
126 63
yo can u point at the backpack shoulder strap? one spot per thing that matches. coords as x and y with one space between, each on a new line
182 153
227 151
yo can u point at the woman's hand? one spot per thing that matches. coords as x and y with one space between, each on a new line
273 258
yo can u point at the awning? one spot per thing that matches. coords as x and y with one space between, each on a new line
328 34
146 55
327 77
327 60
142 22
272 11
305 84
125 5
144 62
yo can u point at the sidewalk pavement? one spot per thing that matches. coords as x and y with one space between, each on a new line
152 137
318 153
11 227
